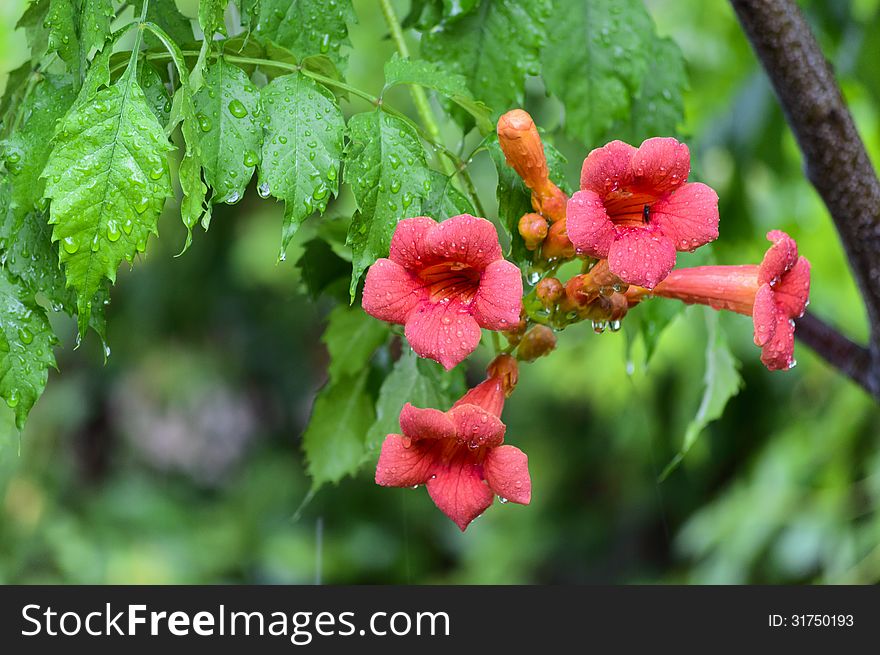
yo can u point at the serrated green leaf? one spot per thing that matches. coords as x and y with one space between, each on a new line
351 337
595 60
95 19
302 148
211 18
156 92
26 341
16 88
61 21
658 108
193 206
494 47
412 380
722 382
321 267
108 179
444 200
228 105
308 27
388 173
32 23
434 75
514 198
334 439
166 15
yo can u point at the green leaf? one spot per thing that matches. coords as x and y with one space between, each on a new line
32 23
388 173
494 47
16 88
444 200
321 267
351 337
658 108
165 14
595 60
61 21
412 380
156 92
95 19
228 105
193 206
434 76
28 148
26 341
515 199
211 17
308 27
108 179
722 380
334 439
302 148
249 11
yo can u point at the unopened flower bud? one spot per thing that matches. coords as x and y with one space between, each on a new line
580 291
533 229
557 245
537 342
522 147
549 291
506 369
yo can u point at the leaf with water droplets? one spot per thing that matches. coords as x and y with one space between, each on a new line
434 75
32 22
98 176
211 17
95 19
494 47
334 439
351 337
388 173
444 200
595 60
412 380
26 341
156 92
229 106
308 27
722 382
166 15
302 148
61 23
13 96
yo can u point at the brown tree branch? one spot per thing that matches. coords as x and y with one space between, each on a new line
848 357
835 159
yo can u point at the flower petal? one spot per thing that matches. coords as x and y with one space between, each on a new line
403 463
779 258
639 256
661 165
764 315
458 490
507 471
793 290
408 245
418 424
444 332
498 302
390 291
466 239
489 395
588 225
778 353
477 427
608 168
688 216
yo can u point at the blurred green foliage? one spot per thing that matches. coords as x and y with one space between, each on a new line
179 460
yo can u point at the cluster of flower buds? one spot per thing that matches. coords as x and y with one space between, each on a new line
445 282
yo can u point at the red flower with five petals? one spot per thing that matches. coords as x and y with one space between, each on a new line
444 281
459 454
774 294
636 209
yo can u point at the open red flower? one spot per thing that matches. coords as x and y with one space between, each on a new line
774 293
636 209
459 454
444 281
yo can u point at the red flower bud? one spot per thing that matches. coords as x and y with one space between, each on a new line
537 342
549 291
557 245
533 230
504 368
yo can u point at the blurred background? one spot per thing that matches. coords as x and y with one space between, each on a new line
178 461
